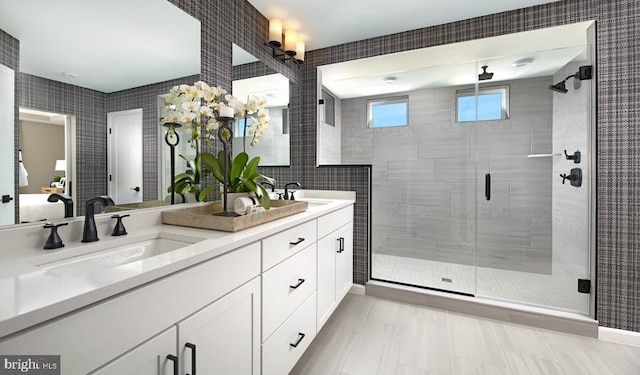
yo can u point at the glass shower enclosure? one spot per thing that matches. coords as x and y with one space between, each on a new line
482 193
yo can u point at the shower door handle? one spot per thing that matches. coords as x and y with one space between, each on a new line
487 186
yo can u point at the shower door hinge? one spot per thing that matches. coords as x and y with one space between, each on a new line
584 286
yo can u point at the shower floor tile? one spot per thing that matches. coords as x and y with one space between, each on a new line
557 290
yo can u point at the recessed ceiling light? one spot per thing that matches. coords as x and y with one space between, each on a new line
69 75
522 62
390 79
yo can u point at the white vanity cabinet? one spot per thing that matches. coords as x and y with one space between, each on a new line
335 261
106 333
248 310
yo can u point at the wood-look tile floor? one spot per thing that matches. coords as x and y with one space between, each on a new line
369 336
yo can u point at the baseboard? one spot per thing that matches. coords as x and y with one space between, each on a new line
497 310
619 336
357 289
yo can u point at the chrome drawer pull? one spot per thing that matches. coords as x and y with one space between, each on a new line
300 337
300 239
300 281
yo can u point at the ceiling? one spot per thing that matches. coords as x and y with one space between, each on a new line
119 44
455 64
103 45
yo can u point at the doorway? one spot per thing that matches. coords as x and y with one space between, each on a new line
125 154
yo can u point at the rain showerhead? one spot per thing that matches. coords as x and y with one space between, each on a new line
583 73
484 76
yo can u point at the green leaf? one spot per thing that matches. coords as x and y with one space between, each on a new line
182 187
211 163
264 197
252 167
204 193
238 165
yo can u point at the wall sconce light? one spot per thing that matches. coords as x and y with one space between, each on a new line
293 49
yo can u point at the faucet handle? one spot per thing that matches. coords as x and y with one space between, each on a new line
119 229
54 241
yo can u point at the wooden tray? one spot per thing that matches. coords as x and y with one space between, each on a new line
205 217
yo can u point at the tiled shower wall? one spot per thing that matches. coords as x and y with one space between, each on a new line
570 133
426 180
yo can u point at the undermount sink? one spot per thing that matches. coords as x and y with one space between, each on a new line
109 256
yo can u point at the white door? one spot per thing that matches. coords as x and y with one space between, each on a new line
125 156
7 147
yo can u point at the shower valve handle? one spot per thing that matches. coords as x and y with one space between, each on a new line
575 177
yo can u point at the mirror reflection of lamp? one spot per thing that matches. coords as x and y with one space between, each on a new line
22 172
61 166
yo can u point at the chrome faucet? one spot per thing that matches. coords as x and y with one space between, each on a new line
286 190
89 233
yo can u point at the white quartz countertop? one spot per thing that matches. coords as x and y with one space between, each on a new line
31 295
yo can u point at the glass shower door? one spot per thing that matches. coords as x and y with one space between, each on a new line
533 225
424 181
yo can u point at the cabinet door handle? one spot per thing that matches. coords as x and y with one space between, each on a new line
341 242
174 359
193 357
300 337
300 281
299 241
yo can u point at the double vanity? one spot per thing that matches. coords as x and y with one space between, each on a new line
172 300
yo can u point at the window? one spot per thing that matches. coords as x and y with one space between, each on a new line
493 104
388 112
240 126
329 104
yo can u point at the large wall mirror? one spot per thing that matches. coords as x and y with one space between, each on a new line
253 78
114 58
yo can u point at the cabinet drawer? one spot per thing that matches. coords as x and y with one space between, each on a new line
282 245
285 287
334 220
279 354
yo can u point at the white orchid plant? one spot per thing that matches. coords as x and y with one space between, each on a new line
197 109
199 105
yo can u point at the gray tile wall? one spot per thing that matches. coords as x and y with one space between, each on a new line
570 132
426 178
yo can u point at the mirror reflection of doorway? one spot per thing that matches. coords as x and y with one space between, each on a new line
7 121
45 160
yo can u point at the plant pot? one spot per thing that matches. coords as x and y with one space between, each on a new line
231 197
